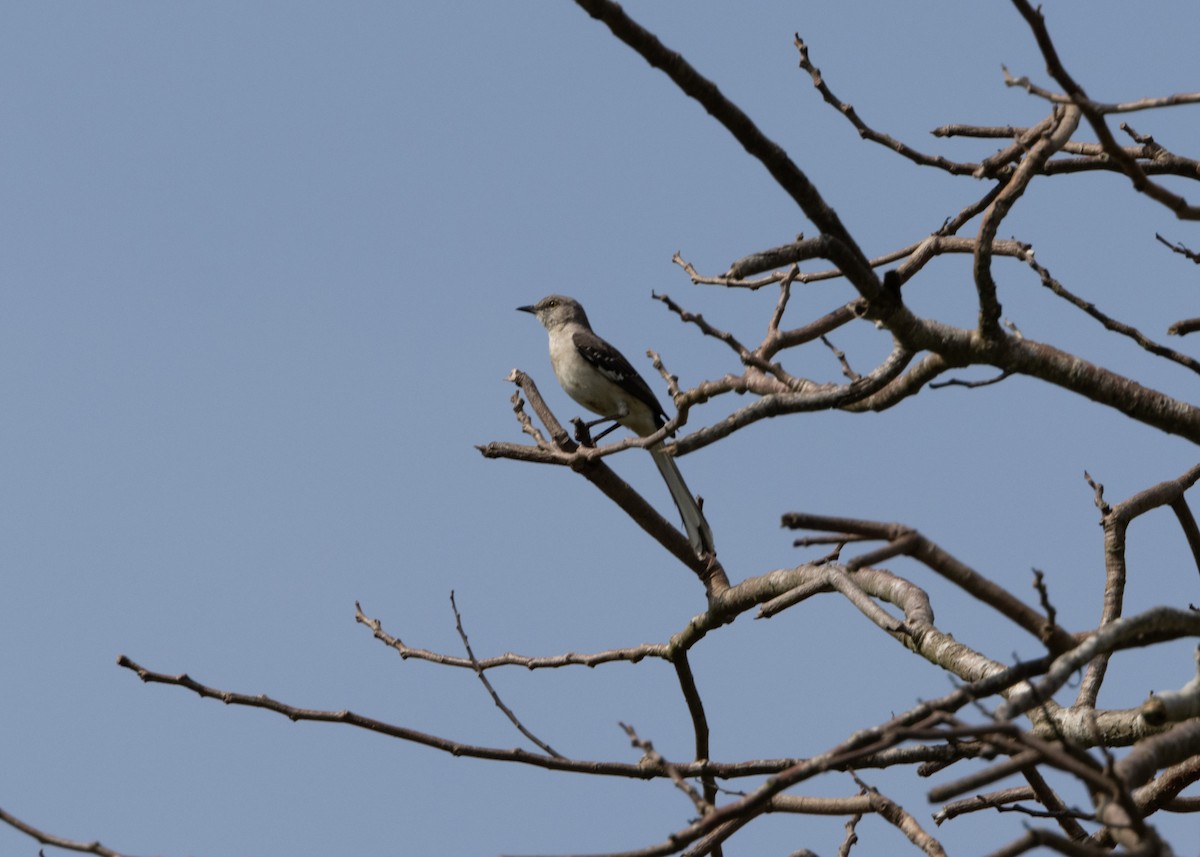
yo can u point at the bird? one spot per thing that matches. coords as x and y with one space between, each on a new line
597 376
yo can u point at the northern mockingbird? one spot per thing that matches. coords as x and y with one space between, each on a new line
598 376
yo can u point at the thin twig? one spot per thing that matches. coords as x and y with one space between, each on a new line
1109 322
654 758
970 385
1180 249
94 847
897 816
868 133
841 358
483 679
632 654
691 695
1039 584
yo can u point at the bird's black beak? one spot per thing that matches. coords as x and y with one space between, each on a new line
529 309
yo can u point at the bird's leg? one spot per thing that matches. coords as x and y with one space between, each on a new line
583 434
616 421
608 430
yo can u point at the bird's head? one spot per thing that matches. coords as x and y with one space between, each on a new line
557 310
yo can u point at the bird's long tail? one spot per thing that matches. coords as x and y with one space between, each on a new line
698 532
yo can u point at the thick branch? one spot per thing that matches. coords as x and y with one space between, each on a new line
1039 360
1152 626
909 542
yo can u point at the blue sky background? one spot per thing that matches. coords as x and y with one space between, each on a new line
258 281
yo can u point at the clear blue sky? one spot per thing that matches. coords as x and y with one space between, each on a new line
259 271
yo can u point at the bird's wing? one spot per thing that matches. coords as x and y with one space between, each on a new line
612 364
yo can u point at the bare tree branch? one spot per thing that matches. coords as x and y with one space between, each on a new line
57 841
1109 322
1095 118
868 133
841 248
1155 625
909 542
633 654
487 685
1180 249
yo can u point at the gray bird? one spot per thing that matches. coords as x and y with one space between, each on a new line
598 376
